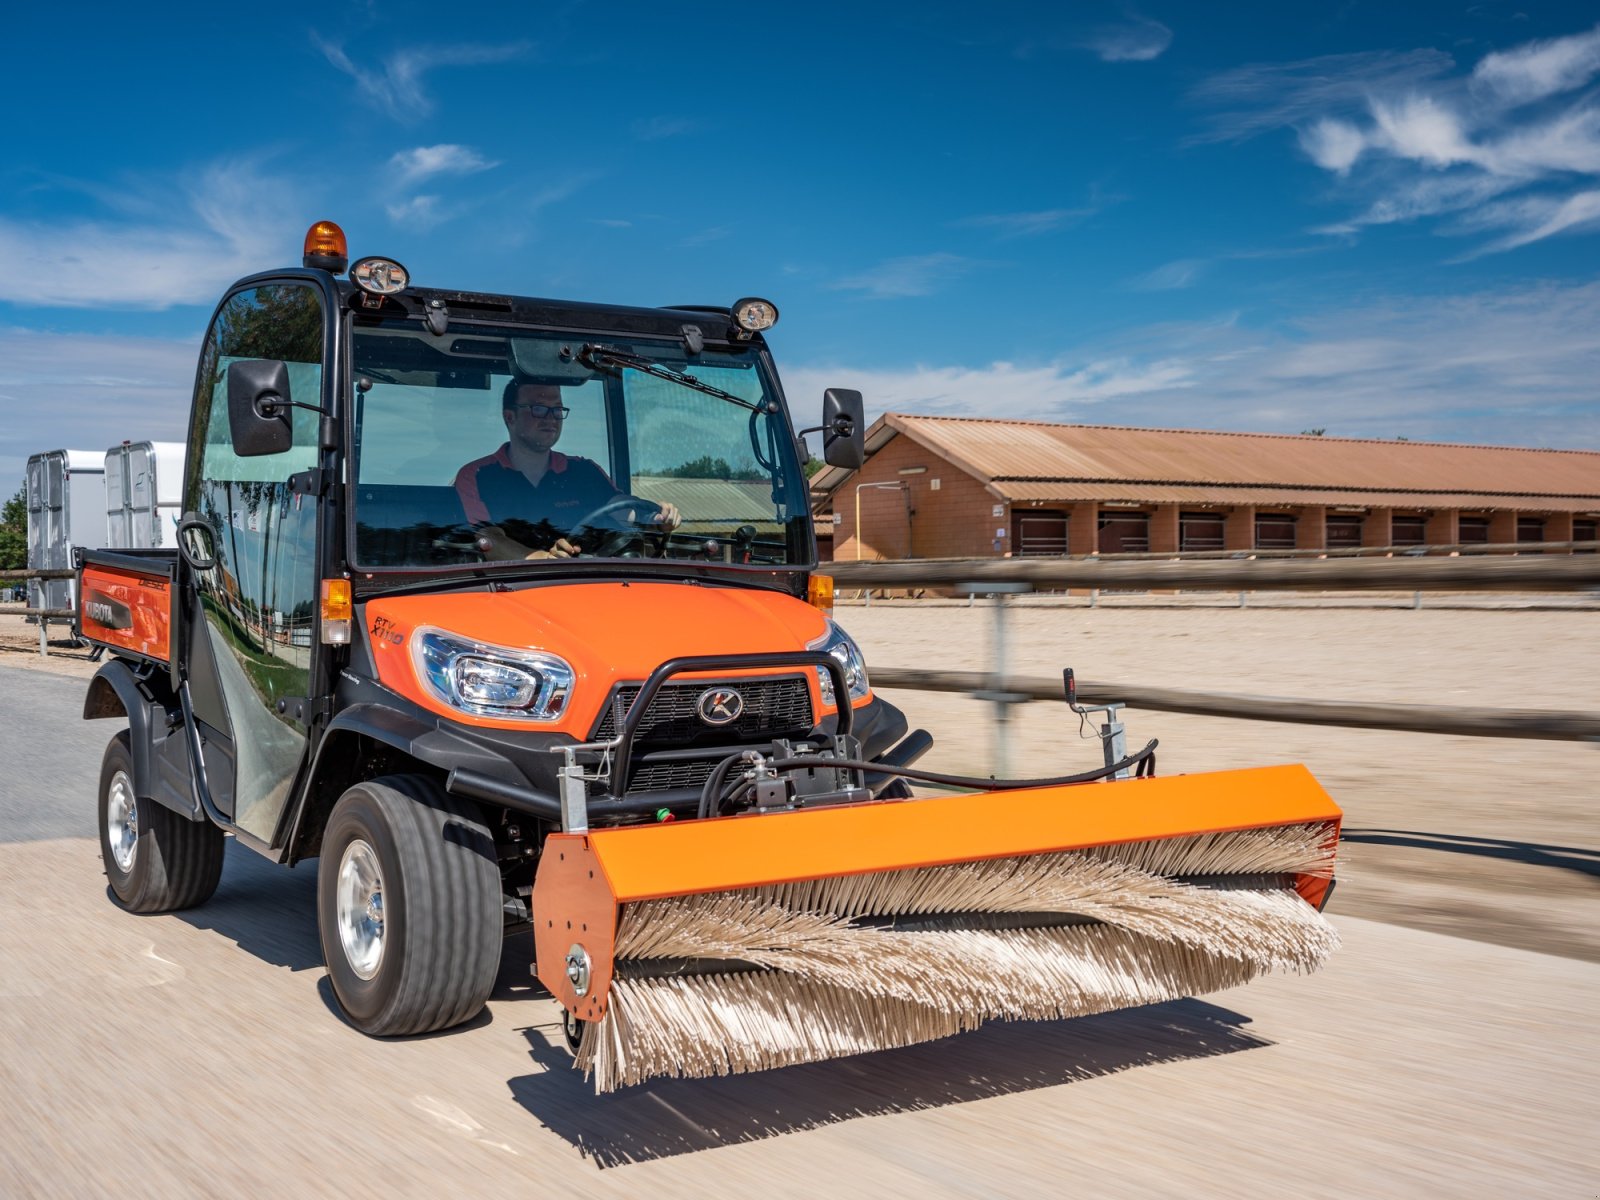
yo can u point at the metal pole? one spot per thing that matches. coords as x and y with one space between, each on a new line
996 692
1000 757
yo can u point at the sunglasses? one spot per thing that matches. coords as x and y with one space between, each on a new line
558 411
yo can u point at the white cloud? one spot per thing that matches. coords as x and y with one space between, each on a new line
1139 39
1333 145
1421 128
915 275
1259 97
227 220
1417 142
1026 224
87 392
420 213
423 162
1544 68
1172 276
396 86
1518 368
1536 217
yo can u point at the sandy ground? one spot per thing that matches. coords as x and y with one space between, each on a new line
1489 838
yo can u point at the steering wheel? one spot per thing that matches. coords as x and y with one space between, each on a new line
618 532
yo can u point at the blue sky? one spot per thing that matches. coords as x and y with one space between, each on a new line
1378 219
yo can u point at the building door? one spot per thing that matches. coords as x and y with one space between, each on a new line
1200 531
1410 529
1039 533
251 641
1124 532
1473 531
1274 531
1343 531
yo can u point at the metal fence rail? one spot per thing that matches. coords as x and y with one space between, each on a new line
1413 718
1500 574
1002 577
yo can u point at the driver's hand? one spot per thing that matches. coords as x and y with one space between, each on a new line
668 517
562 549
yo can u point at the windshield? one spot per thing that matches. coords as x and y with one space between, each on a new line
483 445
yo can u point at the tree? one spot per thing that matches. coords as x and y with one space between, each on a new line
1314 432
704 467
14 533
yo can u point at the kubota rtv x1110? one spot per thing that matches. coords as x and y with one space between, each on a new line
506 611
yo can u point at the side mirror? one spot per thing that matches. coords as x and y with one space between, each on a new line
843 428
259 407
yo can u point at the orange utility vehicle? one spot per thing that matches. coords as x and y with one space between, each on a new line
506 610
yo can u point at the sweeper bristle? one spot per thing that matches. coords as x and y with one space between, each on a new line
694 1026
818 969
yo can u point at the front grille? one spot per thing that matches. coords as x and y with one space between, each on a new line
661 777
772 706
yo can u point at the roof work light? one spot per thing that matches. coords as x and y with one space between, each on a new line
379 276
325 248
752 314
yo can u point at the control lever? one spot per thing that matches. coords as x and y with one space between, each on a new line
1113 734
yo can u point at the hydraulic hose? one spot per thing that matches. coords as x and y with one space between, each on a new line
711 799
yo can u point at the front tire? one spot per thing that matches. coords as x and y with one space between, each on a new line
408 906
156 860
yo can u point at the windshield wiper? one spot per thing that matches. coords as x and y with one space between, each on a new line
608 358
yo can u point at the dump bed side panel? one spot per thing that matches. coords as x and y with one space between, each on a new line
127 603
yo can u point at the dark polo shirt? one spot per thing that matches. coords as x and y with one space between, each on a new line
494 492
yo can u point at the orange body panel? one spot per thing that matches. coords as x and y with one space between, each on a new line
647 862
126 610
609 632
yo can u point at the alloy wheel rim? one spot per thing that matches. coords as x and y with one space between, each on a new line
360 909
122 822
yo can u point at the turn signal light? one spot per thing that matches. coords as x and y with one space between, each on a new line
326 248
819 592
337 612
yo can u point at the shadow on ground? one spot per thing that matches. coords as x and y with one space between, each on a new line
1567 858
268 910
673 1117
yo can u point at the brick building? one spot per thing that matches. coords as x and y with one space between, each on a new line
957 487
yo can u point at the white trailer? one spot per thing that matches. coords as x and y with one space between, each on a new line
144 493
66 494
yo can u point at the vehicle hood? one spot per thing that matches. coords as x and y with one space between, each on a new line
609 632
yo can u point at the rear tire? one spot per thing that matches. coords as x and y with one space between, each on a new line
156 860
408 906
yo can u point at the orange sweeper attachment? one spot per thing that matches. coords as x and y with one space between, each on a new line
794 934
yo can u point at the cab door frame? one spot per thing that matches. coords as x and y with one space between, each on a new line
199 680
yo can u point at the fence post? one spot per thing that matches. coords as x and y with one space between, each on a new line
1002 699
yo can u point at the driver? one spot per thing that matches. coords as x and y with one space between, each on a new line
535 490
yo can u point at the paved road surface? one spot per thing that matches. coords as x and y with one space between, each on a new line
199 1055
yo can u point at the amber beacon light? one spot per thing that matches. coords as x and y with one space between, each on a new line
326 248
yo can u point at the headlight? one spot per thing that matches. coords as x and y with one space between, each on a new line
491 681
837 643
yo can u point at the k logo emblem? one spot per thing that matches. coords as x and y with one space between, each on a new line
719 706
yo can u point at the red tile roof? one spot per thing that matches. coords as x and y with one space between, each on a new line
1034 460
